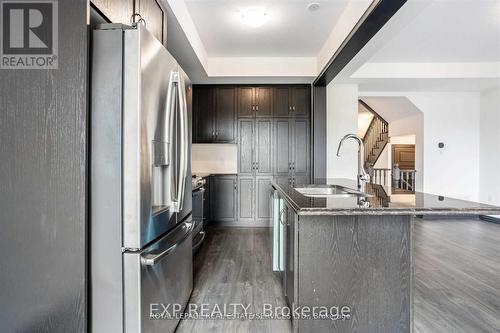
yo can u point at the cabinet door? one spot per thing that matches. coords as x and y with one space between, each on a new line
264 146
246 102
301 105
117 11
282 147
264 102
245 146
222 198
283 181
300 147
263 199
225 115
289 266
152 14
246 190
281 101
203 114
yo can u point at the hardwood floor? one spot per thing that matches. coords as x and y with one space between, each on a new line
456 285
234 266
457 276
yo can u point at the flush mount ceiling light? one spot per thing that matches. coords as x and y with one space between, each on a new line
254 17
313 6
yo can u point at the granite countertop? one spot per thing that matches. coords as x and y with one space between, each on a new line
384 201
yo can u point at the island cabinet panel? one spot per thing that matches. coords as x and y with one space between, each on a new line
223 190
363 262
290 261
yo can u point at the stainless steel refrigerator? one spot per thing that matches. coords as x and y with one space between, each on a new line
140 181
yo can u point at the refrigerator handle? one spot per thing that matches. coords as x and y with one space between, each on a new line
170 117
181 172
184 137
153 259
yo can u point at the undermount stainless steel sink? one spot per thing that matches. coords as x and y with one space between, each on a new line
330 191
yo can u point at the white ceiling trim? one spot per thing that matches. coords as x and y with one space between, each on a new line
453 70
259 66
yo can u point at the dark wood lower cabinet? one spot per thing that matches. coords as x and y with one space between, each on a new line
223 189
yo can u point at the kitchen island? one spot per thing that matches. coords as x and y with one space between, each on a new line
339 249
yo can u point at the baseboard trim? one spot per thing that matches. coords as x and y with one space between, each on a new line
490 219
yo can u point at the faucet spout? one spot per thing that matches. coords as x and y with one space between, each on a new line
363 176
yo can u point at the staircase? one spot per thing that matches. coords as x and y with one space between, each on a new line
376 137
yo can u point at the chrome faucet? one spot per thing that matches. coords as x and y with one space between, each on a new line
363 176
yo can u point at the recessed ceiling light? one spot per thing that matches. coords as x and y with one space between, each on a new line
313 6
254 17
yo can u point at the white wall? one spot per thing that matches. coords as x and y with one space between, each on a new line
213 158
451 118
489 181
341 118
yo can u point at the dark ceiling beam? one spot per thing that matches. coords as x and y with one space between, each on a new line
373 20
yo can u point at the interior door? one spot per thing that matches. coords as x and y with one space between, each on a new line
404 155
225 114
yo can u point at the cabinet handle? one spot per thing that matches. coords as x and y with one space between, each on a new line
213 134
293 108
256 165
290 108
235 184
257 108
293 165
216 133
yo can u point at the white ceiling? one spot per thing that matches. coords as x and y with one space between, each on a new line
291 31
448 31
432 45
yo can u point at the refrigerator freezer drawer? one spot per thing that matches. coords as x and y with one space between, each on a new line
160 276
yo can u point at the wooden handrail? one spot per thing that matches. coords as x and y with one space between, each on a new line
372 111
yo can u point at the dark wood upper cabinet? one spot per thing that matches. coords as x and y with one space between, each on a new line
116 11
203 117
263 102
225 114
301 104
152 14
245 102
281 101
121 11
